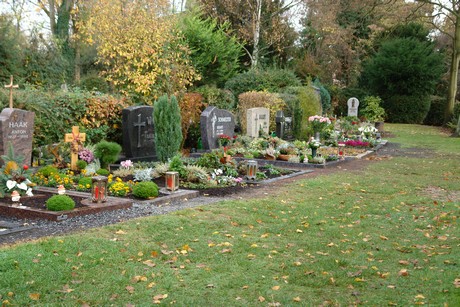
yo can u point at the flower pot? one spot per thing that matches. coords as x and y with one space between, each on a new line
269 157
285 157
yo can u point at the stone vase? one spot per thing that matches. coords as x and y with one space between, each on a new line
313 152
318 136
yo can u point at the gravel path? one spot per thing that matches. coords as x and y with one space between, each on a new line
43 228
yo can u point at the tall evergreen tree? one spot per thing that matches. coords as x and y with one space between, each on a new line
168 131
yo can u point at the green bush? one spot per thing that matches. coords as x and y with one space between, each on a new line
48 170
168 130
373 111
407 109
309 104
84 181
220 98
60 203
325 96
94 83
145 189
103 172
81 164
435 116
107 152
176 165
271 80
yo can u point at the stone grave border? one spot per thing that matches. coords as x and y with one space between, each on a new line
112 203
9 228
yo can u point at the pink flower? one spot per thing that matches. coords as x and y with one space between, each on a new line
127 164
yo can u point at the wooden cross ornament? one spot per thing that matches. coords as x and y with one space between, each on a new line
76 139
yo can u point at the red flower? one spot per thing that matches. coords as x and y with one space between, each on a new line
25 167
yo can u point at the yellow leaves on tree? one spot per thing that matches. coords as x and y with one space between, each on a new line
140 48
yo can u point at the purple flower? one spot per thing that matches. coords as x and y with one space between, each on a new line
86 155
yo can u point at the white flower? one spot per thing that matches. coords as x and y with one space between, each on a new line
11 184
23 186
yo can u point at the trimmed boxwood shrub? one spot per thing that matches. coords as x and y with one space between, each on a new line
85 181
103 172
145 189
60 203
407 109
107 152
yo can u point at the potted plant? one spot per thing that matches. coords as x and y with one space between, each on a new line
374 112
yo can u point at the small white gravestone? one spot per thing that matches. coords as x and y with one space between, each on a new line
353 104
257 119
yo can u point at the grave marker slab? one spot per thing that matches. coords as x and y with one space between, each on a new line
353 104
138 132
257 119
17 127
215 122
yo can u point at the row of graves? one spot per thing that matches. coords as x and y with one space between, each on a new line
245 155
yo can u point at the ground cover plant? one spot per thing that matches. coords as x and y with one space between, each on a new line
383 234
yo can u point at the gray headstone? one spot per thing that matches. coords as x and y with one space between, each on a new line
215 122
257 119
353 104
138 132
17 127
280 124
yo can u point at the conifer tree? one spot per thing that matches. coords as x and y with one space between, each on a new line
168 131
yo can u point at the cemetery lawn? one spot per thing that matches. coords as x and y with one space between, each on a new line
383 234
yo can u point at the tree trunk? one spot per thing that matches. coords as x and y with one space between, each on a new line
453 74
77 66
255 50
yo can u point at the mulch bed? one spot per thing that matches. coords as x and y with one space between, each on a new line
38 201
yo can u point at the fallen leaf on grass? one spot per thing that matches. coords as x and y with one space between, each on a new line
403 272
138 278
130 289
226 250
149 263
120 232
34 296
261 299
296 299
457 283
66 289
157 298
383 238
276 288
403 262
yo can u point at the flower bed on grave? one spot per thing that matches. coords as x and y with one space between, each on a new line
337 139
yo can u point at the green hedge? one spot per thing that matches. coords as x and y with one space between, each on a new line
407 109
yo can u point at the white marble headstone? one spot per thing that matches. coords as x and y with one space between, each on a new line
353 104
257 119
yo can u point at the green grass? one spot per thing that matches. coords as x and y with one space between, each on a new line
374 237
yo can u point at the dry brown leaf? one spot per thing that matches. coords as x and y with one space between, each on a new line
160 297
154 254
261 299
403 262
226 250
383 238
403 272
34 296
296 299
166 252
149 263
120 232
457 282
276 288
130 289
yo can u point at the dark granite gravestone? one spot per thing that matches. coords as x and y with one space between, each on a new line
215 122
138 132
280 123
17 128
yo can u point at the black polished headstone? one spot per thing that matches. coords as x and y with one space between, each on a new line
17 128
215 122
138 132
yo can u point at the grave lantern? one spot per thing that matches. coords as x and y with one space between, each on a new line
251 170
172 181
341 151
99 189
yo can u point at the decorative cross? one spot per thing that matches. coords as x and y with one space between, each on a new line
11 87
139 124
77 139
